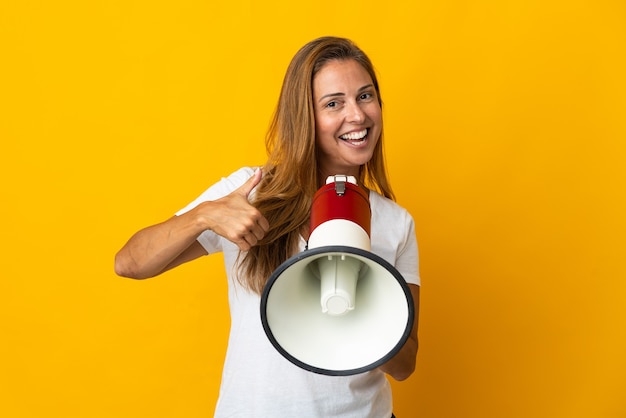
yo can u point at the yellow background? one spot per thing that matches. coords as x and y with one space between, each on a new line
506 129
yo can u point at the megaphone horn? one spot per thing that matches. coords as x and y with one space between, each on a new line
337 308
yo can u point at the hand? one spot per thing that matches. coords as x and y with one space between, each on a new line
234 218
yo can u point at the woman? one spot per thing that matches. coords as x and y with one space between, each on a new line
328 121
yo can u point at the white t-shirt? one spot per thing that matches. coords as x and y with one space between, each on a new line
257 381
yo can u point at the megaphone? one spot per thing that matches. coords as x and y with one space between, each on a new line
337 308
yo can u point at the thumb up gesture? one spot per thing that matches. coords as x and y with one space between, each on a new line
234 218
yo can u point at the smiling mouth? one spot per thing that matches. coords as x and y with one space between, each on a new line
355 138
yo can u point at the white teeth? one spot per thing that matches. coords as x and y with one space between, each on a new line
353 136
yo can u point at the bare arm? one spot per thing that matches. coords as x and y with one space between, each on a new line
158 248
402 365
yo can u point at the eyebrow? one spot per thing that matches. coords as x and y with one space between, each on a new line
326 96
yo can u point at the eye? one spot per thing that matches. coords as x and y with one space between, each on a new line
365 96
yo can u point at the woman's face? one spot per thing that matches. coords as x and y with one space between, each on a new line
348 118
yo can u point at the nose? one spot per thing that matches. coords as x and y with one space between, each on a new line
354 113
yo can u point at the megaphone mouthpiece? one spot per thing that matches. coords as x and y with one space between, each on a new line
338 276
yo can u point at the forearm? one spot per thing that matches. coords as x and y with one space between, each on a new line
402 365
155 249
161 247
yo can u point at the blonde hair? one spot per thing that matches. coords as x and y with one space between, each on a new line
291 175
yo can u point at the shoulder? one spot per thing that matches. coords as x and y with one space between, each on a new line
231 182
393 236
223 187
237 178
392 224
385 208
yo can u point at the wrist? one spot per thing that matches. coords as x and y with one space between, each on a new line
200 219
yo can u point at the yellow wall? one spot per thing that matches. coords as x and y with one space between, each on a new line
506 135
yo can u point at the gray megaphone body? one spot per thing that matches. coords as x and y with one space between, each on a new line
337 308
